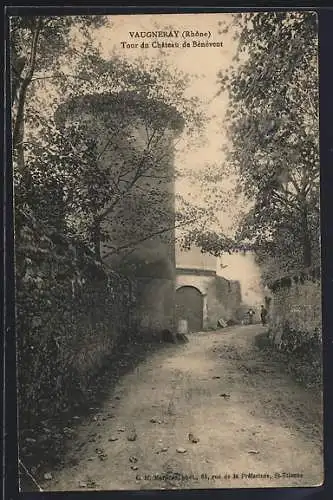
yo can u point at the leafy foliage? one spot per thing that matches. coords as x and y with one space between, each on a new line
66 306
273 128
301 358
91 174
209 241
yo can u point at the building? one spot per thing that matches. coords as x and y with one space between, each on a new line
133 136
202 296
242 266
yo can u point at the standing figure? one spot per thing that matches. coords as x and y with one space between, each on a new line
250 314
263 315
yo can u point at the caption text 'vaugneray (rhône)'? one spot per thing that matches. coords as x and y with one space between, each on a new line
169 39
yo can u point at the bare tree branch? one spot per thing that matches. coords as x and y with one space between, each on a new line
130 244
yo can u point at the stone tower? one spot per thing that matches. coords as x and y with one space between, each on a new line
134 139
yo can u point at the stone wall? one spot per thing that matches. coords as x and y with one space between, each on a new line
227 294
243 268
195 259
296 308
155 305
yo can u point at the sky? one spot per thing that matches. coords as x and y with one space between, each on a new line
204 62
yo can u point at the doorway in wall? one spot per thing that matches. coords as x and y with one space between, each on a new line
189 306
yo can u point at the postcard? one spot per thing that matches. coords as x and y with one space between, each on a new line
167 249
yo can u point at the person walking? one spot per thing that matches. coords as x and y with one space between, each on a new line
263 315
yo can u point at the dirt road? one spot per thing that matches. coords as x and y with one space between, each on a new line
247 416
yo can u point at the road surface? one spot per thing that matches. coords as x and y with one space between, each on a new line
250 425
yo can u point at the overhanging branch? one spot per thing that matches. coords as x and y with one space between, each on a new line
145 238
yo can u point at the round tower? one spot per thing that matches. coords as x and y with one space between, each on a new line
134 141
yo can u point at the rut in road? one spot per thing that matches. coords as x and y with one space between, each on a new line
211 413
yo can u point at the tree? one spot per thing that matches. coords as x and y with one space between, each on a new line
115 188
273 130
93 184
37 44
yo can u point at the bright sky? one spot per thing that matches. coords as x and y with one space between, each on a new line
203 61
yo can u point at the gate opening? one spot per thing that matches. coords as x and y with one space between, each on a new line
189 307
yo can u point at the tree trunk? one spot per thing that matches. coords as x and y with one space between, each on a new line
23 88
17 66
307 250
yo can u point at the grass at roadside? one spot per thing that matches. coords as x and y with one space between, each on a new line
305 367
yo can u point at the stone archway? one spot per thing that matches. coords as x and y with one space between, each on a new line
190 306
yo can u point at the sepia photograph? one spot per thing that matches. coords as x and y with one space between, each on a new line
166 178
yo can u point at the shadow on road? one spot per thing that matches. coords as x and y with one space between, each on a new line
44 446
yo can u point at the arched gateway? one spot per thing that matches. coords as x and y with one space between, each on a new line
189 306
